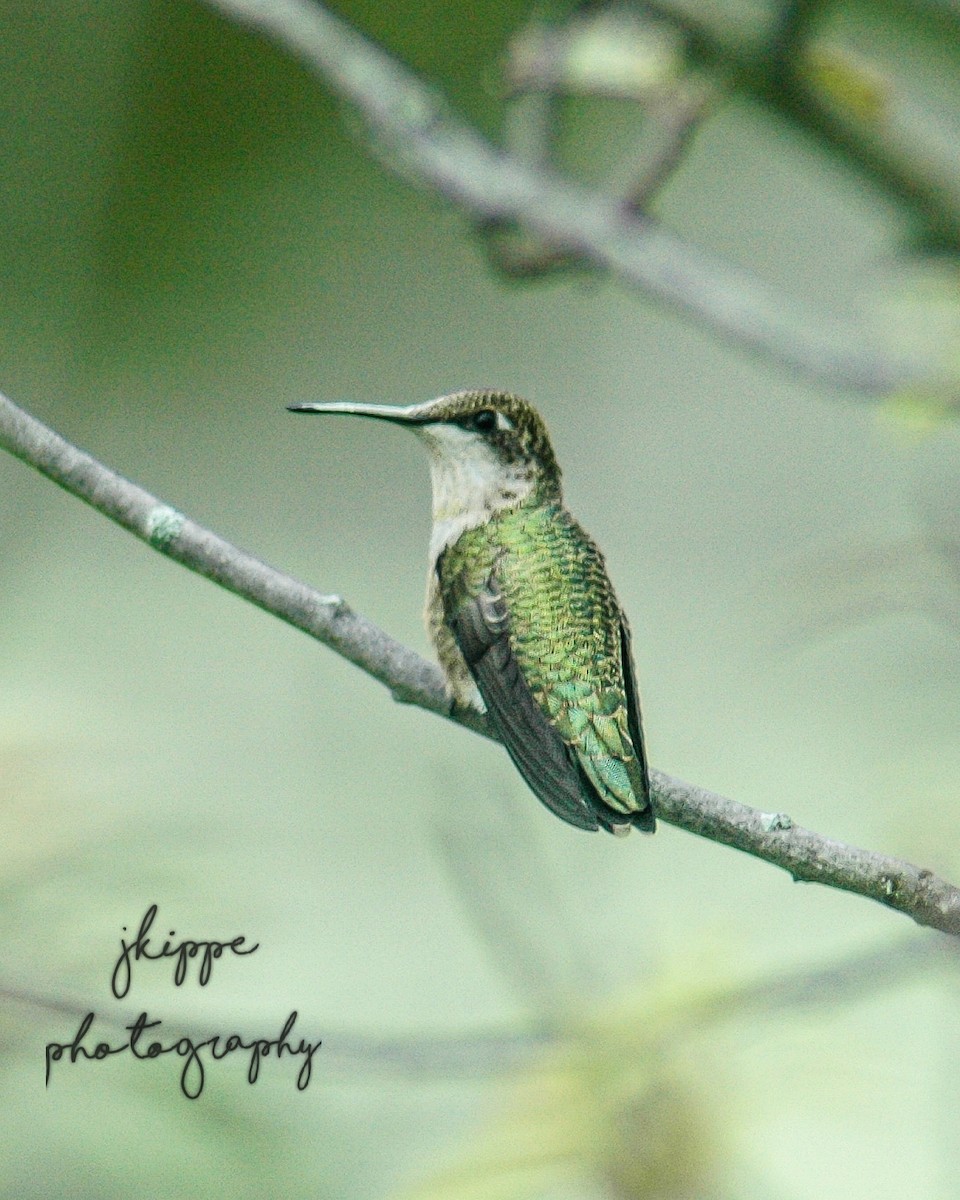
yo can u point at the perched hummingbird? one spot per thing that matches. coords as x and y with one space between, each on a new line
521 612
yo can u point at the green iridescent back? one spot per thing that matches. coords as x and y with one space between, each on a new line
566 633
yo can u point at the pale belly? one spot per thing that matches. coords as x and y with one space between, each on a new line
460 685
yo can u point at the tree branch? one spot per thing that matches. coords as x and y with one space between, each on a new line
437 149
806 855
411 679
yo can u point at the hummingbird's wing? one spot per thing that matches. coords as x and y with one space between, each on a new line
645 819
535 618
480 627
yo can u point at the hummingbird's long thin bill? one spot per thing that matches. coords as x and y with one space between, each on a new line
409 415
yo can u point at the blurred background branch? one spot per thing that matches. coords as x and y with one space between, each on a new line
490 1051
412 125
798 58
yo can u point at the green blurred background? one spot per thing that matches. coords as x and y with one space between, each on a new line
193 234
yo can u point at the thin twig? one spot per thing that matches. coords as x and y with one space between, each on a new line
410 678
676 117
807 856
429 142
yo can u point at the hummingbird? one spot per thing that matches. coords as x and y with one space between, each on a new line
520 610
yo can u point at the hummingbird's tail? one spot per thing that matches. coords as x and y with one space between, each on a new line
620 824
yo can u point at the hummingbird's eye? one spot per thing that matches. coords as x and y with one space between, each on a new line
484 421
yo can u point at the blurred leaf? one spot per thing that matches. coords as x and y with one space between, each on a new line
847 81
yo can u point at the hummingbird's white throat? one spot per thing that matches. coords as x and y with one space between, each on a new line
470 482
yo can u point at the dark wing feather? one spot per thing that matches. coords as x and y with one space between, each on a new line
644 818
479 625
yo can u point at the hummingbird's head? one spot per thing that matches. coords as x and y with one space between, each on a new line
488 450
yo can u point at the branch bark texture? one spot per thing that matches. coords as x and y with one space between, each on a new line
773 837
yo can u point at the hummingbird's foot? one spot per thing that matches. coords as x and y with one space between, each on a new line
457 705
465 697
